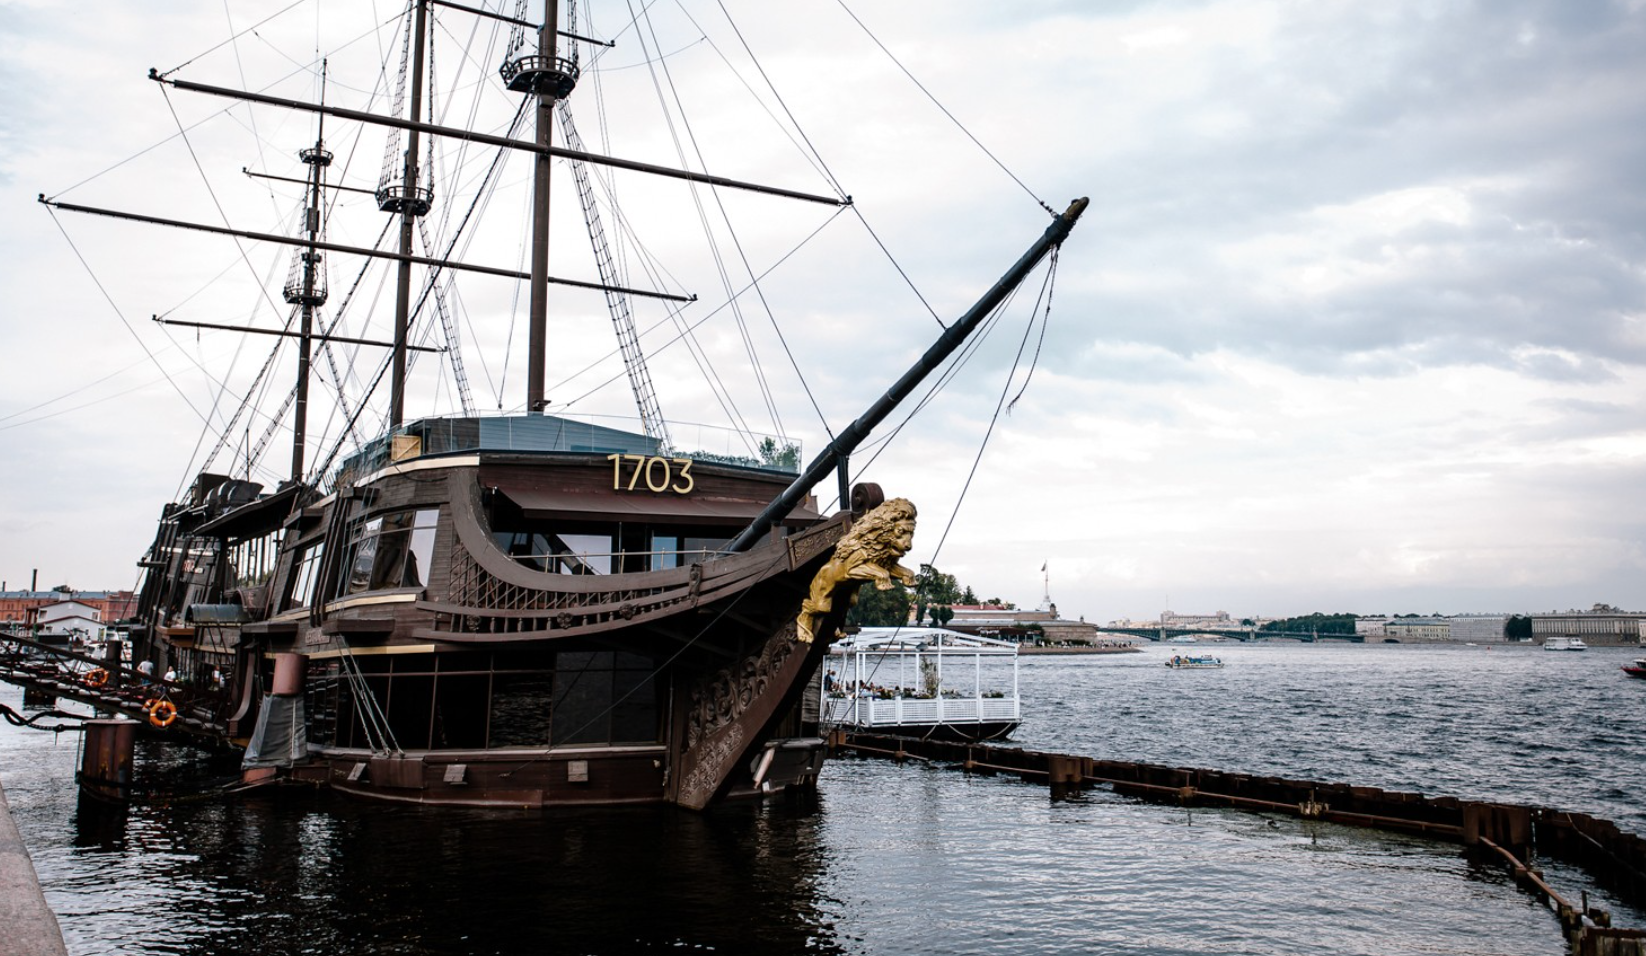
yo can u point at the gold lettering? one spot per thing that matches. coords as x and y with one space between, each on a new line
686 473
658 485
648 464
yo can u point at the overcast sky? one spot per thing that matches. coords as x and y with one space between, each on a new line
1356 320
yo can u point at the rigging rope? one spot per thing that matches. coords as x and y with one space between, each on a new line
781 557
1045 298
237 36
684 332
262 287
945 110
123 321
703 221
376 724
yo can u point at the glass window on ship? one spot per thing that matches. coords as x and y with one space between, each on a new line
525 697
588 547
306 575
390 551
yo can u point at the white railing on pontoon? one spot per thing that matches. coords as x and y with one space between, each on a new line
898 711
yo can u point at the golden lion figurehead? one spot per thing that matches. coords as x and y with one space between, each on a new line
868 552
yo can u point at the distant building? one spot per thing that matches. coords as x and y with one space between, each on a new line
18 608
1410 630
996 620
1479 628
1371 626
1219 621
68 619
1603 624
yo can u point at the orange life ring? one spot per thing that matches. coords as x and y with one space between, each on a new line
162 713
96 677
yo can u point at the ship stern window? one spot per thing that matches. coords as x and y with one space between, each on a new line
305 576
391 551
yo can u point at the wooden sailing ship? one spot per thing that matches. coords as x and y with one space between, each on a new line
510 610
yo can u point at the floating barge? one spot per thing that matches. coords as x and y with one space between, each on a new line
923 682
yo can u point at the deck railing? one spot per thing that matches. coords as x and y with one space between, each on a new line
895 711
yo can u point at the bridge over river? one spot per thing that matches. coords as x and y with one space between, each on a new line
1158 634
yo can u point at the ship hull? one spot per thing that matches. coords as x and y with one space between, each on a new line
508 630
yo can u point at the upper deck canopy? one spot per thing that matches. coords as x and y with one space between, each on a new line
921 640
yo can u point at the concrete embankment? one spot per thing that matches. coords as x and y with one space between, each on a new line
27 925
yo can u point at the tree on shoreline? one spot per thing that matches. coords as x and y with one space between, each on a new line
1316 623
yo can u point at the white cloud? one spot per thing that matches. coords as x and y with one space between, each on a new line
1357 314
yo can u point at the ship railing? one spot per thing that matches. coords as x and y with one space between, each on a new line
896 711
605 562
602 434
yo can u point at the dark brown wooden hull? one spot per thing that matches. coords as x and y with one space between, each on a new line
449 684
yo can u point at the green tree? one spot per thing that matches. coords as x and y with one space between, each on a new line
786 457
1316 623
1518 628
933 588
877 608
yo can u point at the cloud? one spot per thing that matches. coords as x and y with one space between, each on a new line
1356 317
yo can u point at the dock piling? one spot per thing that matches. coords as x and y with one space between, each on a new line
106 759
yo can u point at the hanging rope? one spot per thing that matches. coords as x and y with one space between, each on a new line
1045 299
374 721
945 110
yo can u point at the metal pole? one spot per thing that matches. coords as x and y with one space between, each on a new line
538 330
311 256
402 290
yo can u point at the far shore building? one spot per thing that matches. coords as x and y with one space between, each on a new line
1415 630
1480 628
1014 624
1371 626
1603 624
1219 621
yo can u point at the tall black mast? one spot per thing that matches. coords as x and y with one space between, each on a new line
308 291
549 77
410 202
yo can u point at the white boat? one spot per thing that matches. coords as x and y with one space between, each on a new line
1189 661
921 681
1564 644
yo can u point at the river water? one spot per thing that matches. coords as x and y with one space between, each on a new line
907 859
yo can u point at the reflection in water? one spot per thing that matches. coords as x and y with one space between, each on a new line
305 872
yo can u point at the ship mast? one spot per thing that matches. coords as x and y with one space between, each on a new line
309 291
409 201
551 78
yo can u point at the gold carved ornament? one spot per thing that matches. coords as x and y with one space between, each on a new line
869 552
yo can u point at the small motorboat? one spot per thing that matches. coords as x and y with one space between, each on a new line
1637 669
1181 661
